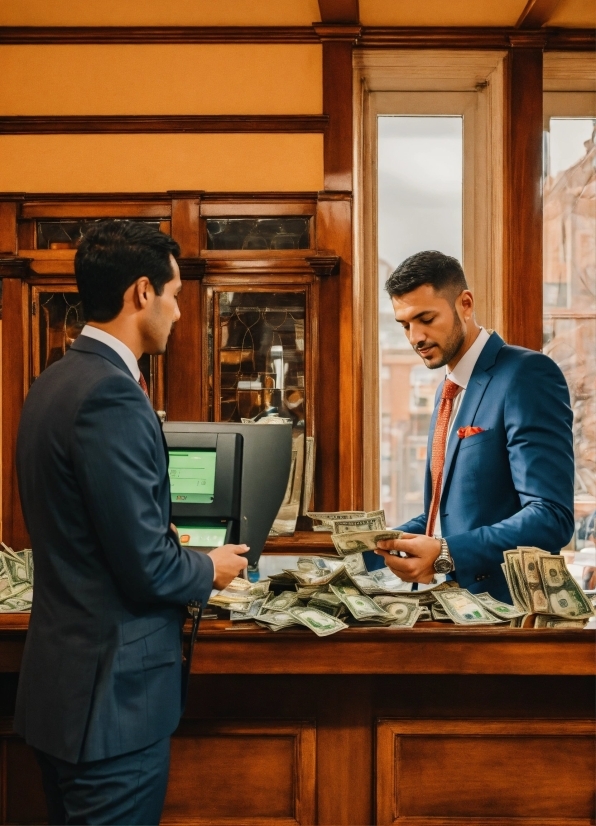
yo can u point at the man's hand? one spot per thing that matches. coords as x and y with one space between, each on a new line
421 553
227 564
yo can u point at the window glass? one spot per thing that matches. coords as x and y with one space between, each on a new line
420 206
569 303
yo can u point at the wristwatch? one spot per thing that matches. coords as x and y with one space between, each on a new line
444 563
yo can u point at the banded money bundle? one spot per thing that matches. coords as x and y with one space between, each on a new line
16 580
543 590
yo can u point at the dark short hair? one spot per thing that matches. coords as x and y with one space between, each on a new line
112 255
442 272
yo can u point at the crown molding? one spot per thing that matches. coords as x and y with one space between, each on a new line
52 35
475 38
120 124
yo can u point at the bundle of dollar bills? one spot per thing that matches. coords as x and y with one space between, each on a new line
543 590
353 532
16 580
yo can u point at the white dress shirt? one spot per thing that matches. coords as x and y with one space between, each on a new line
125 353
461 375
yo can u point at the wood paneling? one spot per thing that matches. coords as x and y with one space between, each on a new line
50 35
8 227
522 279
455 37
339 11
444 771
246 771
125 124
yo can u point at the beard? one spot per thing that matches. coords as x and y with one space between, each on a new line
450 349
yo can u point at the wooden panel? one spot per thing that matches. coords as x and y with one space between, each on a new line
245 772
184 359
339 11
83 124
337 103
522 281
442 772
23 799
77 207
536 14
8 227
457 37
51 35
185 222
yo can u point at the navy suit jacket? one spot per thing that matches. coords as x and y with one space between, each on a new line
512 484
101 673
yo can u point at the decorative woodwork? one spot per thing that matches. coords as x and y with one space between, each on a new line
39 283
453 37
51 35
339 11
522 277
121 124
434 725
536 14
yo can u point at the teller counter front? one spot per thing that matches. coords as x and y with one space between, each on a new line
431 726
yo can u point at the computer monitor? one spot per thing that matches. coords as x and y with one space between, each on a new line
227 481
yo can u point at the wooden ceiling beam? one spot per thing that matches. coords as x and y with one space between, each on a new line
536 14
339 11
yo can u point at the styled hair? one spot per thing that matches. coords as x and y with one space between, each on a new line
442 272
112 255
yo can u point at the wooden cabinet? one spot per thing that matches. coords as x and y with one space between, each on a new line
253 312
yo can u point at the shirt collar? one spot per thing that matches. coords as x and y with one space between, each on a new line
125 353
463 369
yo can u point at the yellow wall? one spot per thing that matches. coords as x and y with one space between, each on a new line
161 79
158 12
441 12
146 163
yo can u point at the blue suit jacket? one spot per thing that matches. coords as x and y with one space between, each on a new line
512 484
101 673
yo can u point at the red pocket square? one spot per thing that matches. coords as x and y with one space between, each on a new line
468 430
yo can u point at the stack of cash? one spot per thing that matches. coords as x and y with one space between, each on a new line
543 590
354 531
16 580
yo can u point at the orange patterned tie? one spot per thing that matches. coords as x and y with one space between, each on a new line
437 460
143 384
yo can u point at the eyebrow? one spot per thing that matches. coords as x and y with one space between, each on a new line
421 313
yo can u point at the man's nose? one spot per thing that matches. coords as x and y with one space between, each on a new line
416 335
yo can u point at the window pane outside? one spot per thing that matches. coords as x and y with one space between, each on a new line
420 206
569 305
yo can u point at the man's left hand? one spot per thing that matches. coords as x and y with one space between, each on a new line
421 552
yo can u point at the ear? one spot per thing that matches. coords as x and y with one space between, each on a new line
466 302
142 291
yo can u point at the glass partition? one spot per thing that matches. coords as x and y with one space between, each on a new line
65 234
420 206
275 233
569 304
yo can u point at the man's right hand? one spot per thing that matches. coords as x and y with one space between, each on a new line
227 564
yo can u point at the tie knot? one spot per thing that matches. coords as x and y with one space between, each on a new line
450 389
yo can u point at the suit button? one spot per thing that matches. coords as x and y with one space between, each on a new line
478 578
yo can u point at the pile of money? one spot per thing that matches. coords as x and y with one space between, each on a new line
16 580
353 532
543 590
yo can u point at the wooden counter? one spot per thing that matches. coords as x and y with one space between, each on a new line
464 726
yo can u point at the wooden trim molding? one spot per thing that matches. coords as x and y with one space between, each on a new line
339 11
536 14
121 124
52 35
472 38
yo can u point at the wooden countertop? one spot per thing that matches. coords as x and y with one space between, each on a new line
431 648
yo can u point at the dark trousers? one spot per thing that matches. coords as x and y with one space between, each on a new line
126 789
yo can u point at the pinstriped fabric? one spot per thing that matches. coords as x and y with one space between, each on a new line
450 391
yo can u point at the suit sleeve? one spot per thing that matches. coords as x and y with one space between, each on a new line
538 425
115 454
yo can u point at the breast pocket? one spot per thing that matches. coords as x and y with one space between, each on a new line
477 439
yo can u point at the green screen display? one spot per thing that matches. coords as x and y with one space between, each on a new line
192 476
202 537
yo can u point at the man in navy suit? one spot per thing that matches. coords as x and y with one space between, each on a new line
500 452
100 690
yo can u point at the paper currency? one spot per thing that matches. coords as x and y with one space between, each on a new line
498 608
281 602
360 541
359 605
529 561
360 524
316 570
464 608
404 612
551 621
565 597
250 614
16 580
318 621
330 519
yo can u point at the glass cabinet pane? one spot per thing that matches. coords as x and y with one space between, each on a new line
283 233
65 235
60 320
259 349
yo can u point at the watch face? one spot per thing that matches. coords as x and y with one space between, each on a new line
442 565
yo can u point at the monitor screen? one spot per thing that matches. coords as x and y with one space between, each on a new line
192 476
206 536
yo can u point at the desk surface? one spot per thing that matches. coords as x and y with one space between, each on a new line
431 648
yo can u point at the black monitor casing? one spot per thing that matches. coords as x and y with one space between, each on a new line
251 476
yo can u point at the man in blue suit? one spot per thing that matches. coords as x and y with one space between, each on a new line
500 451
100 690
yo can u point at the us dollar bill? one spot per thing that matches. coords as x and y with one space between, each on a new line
370 522
498 608
281 602
250 614
464 608
521 591
551 621
360 541
404 612
359 605
318 621
316 570
531 570
564 595
327 518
